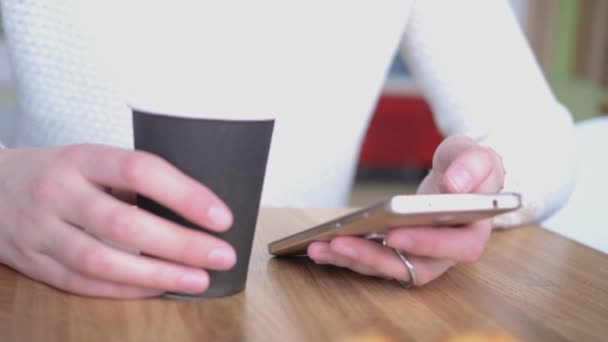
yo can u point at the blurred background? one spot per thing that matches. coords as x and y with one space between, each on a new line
570 41
7 94
569 38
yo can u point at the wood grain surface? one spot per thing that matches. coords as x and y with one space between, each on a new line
531 285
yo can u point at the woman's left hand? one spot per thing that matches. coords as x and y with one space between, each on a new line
460 165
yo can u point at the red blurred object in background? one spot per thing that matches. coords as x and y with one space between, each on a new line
401 135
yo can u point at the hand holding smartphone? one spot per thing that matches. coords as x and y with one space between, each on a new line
402 211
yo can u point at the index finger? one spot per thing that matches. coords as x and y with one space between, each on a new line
152 177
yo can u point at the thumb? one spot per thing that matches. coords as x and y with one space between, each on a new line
462 166
469 167
445 154
449 150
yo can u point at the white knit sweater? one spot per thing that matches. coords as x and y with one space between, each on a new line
317 66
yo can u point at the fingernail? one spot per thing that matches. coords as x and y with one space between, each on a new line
194 282
222 259
401 241
219 216
460 178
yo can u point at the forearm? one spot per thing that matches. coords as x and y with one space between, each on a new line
476 69
539 163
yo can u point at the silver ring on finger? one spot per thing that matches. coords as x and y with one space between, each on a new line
408 265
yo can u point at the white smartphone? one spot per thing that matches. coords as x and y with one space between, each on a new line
402 211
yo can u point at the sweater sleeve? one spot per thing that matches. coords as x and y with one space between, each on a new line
473 64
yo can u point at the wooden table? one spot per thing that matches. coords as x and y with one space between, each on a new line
530 283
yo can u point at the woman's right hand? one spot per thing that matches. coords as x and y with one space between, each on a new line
56 212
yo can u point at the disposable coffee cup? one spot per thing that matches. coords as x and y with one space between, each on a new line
226 154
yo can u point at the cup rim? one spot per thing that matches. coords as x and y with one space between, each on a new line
185 113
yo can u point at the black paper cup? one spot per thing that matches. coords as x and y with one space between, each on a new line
227 155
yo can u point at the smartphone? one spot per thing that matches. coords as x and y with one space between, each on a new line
401 211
